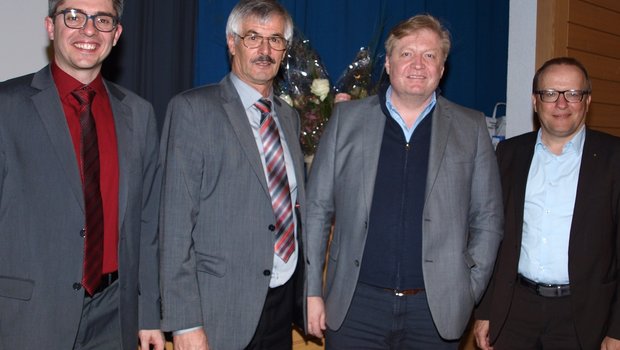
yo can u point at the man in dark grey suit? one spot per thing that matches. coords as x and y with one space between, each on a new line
229 197
79 195
410 182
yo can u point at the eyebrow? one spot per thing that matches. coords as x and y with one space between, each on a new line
251 32
98 13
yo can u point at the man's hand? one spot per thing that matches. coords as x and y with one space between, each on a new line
481 332
150 337
316 316
193 340
610 344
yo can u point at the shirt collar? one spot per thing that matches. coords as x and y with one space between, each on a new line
248 94
393 111
66 84
575 144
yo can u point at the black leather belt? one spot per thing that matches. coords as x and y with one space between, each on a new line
546 290
106 280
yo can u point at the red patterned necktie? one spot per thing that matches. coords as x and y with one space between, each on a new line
277 181
89 150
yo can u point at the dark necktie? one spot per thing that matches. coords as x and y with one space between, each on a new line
277 182
89 150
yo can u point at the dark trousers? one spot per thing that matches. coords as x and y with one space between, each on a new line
100 323
378 319
536 322
274 331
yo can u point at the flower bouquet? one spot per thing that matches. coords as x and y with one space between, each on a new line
355 81
304 84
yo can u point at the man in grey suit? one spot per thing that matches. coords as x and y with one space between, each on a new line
79 195
410 182
229 197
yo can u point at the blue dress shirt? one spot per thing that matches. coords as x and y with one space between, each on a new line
548 211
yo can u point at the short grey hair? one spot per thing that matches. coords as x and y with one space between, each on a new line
263 10
54 4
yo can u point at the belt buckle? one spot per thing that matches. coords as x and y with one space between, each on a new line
398 293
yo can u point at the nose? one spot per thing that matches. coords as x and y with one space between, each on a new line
264 47
418 62
89 27
561 102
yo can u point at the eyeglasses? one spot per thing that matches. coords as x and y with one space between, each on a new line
572 96
76 19
252 41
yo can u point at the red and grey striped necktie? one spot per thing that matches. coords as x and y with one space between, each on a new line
277 181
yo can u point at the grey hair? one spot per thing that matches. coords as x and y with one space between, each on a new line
54 4
263 10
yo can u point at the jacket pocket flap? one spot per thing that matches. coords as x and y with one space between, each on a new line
16 288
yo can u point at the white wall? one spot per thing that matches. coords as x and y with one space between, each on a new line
521 66
22 38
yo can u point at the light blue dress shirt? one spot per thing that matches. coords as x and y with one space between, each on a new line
399 119
548 211
282 271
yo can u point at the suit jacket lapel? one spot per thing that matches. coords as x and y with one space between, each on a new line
239 121
47 102
373 126
442 125
124 131
523 161
589 172
291 135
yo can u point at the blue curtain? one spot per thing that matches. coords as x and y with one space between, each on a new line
475 72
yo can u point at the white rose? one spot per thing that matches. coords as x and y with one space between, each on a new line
320 87
287 99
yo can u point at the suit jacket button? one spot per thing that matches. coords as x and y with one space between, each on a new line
77 286
83 233
357 263
272 227
267 273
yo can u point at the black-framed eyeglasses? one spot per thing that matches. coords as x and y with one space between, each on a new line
77 19
252 41
572 96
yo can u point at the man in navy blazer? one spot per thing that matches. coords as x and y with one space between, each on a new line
556 283
47 301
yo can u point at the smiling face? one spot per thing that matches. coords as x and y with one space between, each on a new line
80 52
561 120
415 65
257 67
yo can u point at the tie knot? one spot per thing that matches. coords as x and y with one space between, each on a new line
84 95
263 105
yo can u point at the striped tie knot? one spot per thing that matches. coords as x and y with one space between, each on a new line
264 106
84 95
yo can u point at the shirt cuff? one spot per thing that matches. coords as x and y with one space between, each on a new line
186 330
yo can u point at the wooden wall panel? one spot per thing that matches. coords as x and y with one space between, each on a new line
593 16
613 5
603 115
607 92
593 41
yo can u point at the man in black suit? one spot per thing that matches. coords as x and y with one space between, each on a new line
556 281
